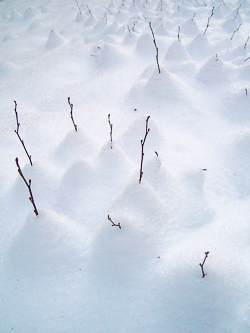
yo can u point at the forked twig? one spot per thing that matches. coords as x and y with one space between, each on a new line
157 57
202 269
113 224
111 128
17 133
28 184
71 113
142 147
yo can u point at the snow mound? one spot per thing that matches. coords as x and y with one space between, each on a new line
213 72
7 69
45 246
145 46
54 40
28 14
177 53
199 48
75 145
189 28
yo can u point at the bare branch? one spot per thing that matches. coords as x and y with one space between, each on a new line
235 32
202 269
113 224
17 133
245 46
111 127
142 147
208 21
157 58
71 113
28 184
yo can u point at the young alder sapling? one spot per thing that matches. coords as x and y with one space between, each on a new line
111 128
17 133
142 147
71 113
28 184
157 57
202 269
113 224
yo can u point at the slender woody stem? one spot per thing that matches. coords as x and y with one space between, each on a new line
202 269
157 57
71 113
17 133
113 224
111 128
142 147
28 184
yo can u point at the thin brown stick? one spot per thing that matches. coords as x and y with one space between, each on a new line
208 21
17 133
71 113
202 269
28 184
113 224
235 31
142 147
157 57
111 128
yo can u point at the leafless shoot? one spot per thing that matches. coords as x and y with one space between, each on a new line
157 58
235 32
247 59
111 128
202 269
246 91
179 29
113 224
193 16
89 11
238 9
17 133
245 46
78 6
71 113
208 21
142 147
28 184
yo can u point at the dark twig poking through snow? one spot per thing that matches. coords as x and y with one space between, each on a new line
157 57
78 6
245 46
179 29
111 128
113 224
71 113
247 59
17 133
142 147
202 269
208 21
28 184
238 9
235 32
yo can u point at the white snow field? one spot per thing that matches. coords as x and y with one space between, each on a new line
71 269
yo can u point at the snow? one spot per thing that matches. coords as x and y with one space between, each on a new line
70 269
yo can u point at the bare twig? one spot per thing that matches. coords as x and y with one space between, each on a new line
157 58
193 16
78 6
208 21
111 128
142 147
28 184
156 153
113 224
247 59
202 269
235 32
237 12
246 91
179 29
245 46
89 11
71 113
17 133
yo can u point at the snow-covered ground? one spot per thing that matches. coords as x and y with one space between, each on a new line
70 270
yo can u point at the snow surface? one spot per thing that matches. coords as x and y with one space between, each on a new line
69 270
